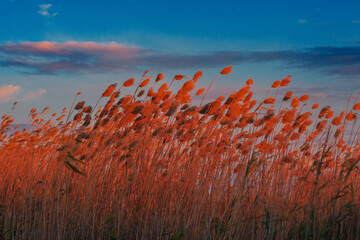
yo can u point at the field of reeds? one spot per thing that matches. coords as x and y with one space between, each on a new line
154 165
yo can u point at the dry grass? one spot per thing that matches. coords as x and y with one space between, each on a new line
152 166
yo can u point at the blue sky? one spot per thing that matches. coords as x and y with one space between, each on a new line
90 44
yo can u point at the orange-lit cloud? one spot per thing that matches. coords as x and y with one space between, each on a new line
8 92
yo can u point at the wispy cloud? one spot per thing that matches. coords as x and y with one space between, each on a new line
302 21
44 10
356 21
53 58
33 95
8 92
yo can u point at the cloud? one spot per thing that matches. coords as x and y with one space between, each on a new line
44 10
71 57
33 95
325 93
11 93
356 21
344 61
8 92
318 96
302 21
52 57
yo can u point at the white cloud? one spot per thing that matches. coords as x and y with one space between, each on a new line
44 10
356 21
8 92
33 95
302 21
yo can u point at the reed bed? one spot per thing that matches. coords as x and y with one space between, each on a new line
153 165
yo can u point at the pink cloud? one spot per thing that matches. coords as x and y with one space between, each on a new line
102 50
8 92
53 57
33 95
11 93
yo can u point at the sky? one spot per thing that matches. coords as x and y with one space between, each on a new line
51 49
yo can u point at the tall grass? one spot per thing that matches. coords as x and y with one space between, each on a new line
151 165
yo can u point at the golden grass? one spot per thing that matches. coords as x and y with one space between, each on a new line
154 166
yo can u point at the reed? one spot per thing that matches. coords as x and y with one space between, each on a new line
160 167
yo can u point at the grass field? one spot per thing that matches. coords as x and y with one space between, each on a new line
154 165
